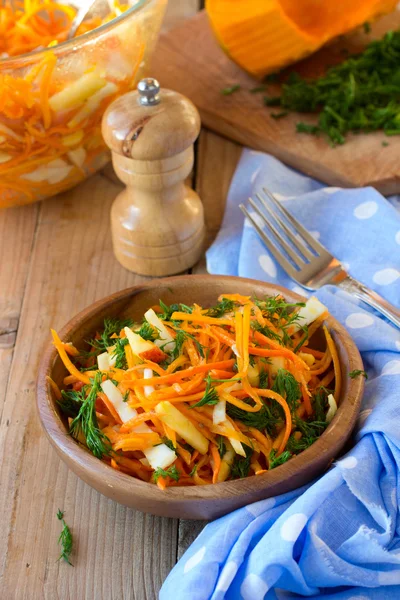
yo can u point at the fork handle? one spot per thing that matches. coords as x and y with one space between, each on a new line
371 298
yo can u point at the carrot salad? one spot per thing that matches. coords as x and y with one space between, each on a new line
193 396
51 104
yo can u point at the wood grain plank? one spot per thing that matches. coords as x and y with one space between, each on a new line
217 159
178 10
116 548
17 231
201 76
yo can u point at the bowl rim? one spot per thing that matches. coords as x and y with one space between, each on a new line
72 452
11 61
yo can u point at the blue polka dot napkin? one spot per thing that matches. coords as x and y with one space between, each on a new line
339 537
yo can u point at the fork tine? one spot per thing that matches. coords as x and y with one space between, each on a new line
301 247
285 264
295 258
311 241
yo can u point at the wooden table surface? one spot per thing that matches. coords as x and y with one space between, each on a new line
55 259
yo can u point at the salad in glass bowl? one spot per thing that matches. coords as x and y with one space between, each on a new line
54 90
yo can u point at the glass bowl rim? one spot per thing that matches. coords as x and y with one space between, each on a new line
12 61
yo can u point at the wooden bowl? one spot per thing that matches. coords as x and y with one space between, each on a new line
208 501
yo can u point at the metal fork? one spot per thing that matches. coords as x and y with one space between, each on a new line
303 258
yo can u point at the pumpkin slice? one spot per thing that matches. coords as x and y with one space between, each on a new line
263 36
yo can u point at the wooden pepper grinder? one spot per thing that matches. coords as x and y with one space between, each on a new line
157 222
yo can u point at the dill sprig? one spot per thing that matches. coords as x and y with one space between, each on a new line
170 472
148 332
267 331
276 461
169 310
111 327
281 314
181 337
356 373
219 440
71 401
65 539
286 385
241 465
221 308
359 95
119 353
266 419
210 395
86 421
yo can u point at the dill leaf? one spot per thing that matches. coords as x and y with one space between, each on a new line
65 539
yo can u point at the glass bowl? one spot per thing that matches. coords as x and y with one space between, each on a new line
52 102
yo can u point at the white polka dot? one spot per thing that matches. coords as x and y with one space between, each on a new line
315 234
391 368
397 344
359 320
350 462
253 588
386 276
267 265
227 574
346 266
258 508
257 219
393 497
397 237
299 290
293 526
366 210
331 190
194 560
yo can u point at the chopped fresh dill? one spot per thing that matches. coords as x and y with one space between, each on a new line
86 421
210 395
276 461
272 100
286 385
181 337
221 308
320 403
267 331
279 115
111 327
367 27
241 465
148 332
359 95
71 402
219 440
281 314
119 353
356 373
170 472
303 339
258 88
169 443
65 539
264 380
169 310
193 471
266 419
125 397
230 90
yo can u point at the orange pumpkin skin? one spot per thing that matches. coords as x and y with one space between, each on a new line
155 355
263 36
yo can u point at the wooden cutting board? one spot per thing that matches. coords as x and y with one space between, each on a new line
189 60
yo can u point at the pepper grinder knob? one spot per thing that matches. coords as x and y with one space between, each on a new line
157 221
149 91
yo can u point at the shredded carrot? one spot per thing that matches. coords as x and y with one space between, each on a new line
336 363
202 407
